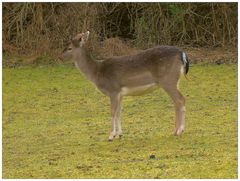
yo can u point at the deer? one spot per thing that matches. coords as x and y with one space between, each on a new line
132 75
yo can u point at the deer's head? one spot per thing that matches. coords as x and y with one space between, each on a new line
75 45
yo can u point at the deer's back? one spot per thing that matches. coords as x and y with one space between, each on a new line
146 60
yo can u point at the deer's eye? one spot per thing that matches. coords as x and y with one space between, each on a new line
69 49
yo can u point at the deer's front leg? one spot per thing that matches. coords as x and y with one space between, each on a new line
115 104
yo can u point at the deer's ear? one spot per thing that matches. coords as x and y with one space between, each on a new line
80 39
86 35
84 38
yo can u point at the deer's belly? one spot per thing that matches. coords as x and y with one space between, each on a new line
139 90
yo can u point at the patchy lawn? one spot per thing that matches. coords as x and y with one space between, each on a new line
56 125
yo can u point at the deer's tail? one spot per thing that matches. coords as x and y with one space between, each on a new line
185 61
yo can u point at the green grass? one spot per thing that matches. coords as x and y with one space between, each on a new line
56 125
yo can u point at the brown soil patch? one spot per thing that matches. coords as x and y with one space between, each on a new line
213 55
116 47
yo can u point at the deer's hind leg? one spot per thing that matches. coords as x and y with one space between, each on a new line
119 109
179 103
115 111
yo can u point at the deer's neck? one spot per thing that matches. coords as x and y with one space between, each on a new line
86 64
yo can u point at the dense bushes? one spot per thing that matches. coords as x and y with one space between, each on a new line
32 28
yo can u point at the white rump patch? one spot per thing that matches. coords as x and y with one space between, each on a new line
184 57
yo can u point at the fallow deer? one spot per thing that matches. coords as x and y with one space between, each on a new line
136 74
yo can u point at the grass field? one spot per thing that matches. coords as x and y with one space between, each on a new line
56 125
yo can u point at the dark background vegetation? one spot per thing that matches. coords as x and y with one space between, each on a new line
43 29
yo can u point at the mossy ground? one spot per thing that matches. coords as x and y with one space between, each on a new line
56 125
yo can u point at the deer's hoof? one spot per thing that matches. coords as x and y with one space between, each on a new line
179 131
112 136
